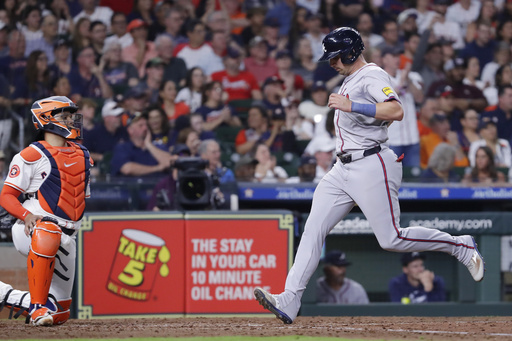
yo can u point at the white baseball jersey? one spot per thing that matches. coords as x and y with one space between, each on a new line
370 85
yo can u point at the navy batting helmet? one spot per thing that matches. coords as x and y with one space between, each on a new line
345 42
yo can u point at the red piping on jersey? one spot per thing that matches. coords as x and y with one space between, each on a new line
393 216
339 131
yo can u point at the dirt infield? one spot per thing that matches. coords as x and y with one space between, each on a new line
387 328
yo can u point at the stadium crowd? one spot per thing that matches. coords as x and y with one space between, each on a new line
155 78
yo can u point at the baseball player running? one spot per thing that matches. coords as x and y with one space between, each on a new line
53 174
367 173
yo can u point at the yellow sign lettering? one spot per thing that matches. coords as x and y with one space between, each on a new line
132 274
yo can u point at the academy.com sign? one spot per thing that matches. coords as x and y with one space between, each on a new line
454 224
359 225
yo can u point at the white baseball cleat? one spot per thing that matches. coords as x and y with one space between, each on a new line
476 265
41 317
270 302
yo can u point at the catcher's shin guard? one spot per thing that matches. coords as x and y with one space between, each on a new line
41 259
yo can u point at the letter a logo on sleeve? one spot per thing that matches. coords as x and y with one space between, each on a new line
387 90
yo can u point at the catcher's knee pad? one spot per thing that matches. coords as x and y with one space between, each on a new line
41 259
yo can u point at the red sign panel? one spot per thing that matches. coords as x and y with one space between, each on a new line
133 267
227 258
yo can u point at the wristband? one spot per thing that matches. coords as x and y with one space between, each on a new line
366 109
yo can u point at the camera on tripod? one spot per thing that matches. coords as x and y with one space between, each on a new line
195 189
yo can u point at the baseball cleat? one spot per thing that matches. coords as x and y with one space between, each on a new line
476 265
41 317
268 302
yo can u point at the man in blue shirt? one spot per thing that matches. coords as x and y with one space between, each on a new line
416 284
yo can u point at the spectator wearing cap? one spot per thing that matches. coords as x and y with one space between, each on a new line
61 65
93 12
271 35
47 40
245 168
273 93
416 284
334 286
365 28
267 170
214 109
97 34
174 20
175 68
304 65
259 63
256 16
322 148
293 83
153 81
315 109
118 74
306 172
482 47
86 78
465 96
138 156
14 64
502 154
196 52
502 113
238 84
444 28
403 136
463 12
118 26
102 139
315 34
441 132
407 23
141 50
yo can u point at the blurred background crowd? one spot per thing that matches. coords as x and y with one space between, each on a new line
237 83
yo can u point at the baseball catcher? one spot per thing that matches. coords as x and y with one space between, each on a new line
53 176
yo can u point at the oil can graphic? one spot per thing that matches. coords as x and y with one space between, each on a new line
139 259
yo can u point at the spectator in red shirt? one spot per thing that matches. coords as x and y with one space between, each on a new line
293 83
237 84
259 63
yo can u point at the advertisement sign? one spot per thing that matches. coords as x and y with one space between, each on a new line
131 265
230 255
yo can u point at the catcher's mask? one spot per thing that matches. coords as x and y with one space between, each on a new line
58 115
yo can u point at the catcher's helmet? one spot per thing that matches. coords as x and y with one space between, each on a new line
43 117
345 42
